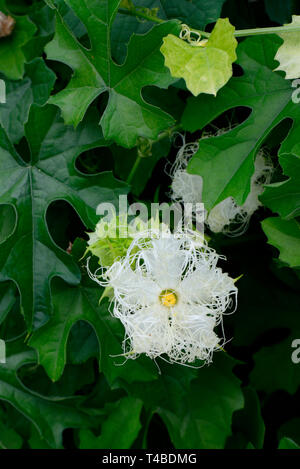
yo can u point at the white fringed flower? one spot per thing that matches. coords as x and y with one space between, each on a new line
170 296
226 217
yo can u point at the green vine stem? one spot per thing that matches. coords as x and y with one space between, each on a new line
261 31
237 33
133 169
167 133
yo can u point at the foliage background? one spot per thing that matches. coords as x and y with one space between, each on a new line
60 386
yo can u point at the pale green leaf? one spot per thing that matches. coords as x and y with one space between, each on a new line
222 38
206 68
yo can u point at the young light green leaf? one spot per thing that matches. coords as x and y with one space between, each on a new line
222 38
288 54
207 67
108 243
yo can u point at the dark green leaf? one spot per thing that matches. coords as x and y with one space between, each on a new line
43 18
248 421
284 197
7 299
279 11
285 236
50 416
11 47
9 439
291 429
35 88
277 357
195 13
127 115
29 257
196 410
287 443
72 304
119 430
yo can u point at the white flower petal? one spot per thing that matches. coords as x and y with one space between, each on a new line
149 331
186 187
164 262
131 287
184 329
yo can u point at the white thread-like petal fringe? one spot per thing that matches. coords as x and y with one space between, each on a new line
201 294
226 217
232 219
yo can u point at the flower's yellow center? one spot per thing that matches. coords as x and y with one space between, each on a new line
168 298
